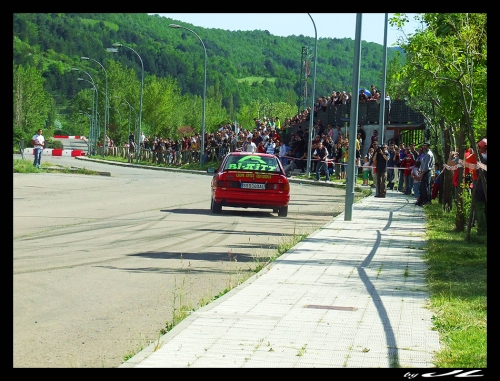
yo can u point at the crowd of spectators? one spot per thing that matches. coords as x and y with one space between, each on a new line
268 135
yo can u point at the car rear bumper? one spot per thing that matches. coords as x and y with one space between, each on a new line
251 199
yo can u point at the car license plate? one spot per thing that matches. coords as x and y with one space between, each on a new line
253 186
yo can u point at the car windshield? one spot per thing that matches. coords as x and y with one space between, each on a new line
252 163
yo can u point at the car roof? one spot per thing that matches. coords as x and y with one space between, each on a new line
243 153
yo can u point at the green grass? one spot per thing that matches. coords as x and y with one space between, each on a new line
26 166
251 80
457 282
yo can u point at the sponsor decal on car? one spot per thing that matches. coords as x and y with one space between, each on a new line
252 163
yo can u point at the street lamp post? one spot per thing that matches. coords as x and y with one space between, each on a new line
106 116
311 113
129 113
91 121
202 146
140 102
94 92
92 136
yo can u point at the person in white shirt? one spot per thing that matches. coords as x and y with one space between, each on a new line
284 153
270 146
249 145
38 142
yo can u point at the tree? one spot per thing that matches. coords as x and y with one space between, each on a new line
31 104
446 68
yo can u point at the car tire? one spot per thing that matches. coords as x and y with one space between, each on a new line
283 211
216 207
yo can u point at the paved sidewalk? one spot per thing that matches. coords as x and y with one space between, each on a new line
352 295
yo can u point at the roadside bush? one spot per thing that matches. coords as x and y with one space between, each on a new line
51 143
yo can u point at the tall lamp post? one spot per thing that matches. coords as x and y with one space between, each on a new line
94 111
106 116
381 121
140 102
129 113
202 146
91 121
94 92
311 114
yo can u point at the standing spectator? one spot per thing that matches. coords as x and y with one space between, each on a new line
338 159
480 192
402 155
38 142
421 153
362 96
414 152
321 155
374 168
270 146
397 164
344 160
407 164
141 139
436 185
131 142
250 145
283 153
390 167
426 168
415 176
300 149
224 148
337 134
366 171
261 147
380 162
470 164
374 138
329 131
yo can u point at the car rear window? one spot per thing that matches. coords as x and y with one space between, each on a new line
252 163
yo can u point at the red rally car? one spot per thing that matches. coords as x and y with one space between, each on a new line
251 180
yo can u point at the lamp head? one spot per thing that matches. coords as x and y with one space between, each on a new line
117 45
84 58
174 26
80 79
75 69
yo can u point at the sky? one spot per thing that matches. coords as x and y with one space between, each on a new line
328 25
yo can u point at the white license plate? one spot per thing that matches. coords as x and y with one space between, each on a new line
253 186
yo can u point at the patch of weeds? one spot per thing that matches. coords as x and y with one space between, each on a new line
407 272
379 270
302 350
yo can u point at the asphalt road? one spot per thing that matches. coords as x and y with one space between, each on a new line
101 263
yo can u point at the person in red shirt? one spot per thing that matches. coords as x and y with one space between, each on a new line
407 164
470 165
261 148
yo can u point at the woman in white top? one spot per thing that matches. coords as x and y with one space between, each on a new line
270 146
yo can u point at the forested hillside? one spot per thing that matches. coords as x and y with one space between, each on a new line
242 67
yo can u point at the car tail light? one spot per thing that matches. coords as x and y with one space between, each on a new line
228 184
279 187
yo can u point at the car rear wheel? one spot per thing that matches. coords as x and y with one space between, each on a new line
216 206
283 212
